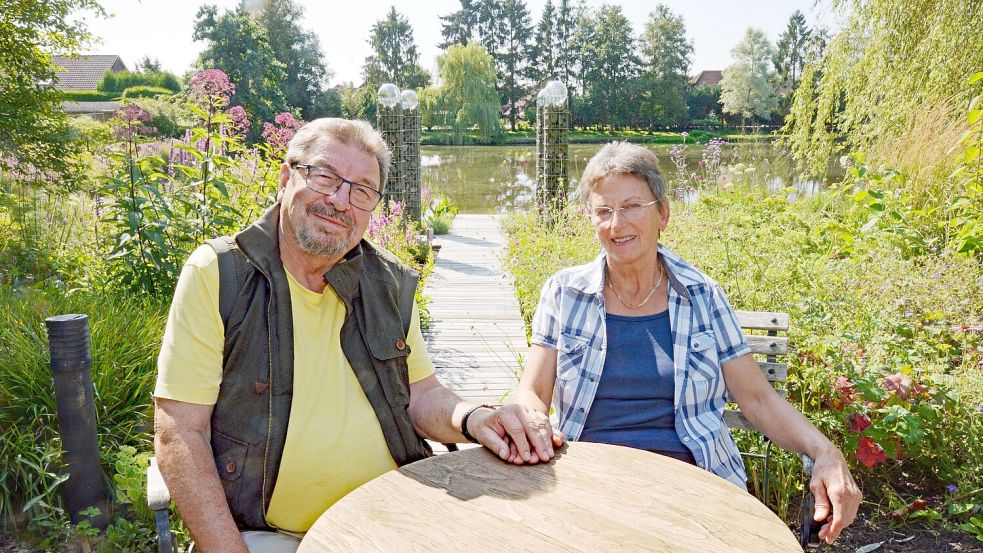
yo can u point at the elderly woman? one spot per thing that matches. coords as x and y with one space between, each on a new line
639 348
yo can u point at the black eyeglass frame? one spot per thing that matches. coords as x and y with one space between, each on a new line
308 169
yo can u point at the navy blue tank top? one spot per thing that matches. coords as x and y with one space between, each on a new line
634 401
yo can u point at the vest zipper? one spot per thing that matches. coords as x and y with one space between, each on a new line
269 365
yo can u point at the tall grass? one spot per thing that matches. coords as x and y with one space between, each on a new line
125 333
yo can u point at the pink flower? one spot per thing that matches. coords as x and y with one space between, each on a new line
127 122
240 121
211 84
278 136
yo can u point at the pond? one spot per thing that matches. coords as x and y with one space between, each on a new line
487 179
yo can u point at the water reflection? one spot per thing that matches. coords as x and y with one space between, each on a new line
486 179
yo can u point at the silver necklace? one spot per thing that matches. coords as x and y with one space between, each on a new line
644 301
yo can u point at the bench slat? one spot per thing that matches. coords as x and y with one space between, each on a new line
735 419
763 320
774 372
768 345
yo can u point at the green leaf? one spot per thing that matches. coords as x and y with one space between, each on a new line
976 76
960 508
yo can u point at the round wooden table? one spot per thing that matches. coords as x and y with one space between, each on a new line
591 497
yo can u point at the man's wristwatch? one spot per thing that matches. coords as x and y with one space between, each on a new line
464 421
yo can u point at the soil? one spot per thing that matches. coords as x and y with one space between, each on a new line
908 539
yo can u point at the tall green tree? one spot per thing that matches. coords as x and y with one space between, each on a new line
468 89
239 46
609 64
544 46
461 26
791 51
513 59
703 101
149 65
306 84
394 57
666 56
567 16
748 87
34 131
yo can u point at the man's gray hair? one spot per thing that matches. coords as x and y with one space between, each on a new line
317 133
618 158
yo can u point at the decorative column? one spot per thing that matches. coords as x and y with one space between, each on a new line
552 145
390 123
411 153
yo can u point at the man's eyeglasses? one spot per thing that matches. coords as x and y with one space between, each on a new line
328 182
632 211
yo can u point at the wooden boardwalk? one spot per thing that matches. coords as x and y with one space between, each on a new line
476 334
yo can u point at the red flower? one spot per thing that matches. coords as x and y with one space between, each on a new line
918 505
857 422
869 452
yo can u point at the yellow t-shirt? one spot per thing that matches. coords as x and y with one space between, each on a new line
334 442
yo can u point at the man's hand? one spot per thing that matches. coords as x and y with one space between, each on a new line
836 494
517 434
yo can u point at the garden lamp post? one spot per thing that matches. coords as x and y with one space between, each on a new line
410 103
390 123
552 145
71 364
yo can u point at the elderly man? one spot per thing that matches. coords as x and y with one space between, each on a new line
293 368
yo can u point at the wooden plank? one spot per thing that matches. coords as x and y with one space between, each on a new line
769 345
774 372
763 320
476 334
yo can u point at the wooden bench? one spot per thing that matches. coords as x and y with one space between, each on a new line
773 347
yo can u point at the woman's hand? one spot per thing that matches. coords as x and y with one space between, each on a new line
837 495
516 433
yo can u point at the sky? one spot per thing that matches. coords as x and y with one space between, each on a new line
162 29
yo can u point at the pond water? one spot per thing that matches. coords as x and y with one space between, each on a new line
487 179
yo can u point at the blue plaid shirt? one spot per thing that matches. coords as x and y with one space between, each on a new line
705 333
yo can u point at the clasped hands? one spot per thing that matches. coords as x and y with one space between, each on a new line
515 433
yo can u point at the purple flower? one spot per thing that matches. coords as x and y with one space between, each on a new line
212 84
278 136
127 122
240 121
952 488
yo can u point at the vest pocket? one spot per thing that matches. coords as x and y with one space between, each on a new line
230 460
391 355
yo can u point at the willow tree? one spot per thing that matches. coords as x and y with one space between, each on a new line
468 90
894 64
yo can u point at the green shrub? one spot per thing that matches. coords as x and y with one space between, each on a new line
441 224
170 118
117 82
439 215
88 96
145 92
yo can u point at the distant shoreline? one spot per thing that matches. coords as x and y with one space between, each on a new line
528 137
